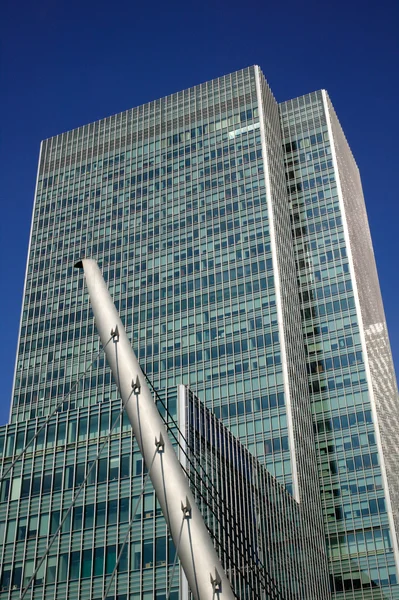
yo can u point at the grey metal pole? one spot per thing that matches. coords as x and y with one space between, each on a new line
198 557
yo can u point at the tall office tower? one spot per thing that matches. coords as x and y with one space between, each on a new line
351 376
183 202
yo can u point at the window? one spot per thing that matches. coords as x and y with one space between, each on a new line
87 559
124 559
147 554
79 474
160 551
104 423
110 560
57 483
61 433
63 567
4 489
21 530
5 579
112 512
93 427
136 555
25 487
54 521
67 523
47 481
51 569
100 514
32 529
16 576
16 488
135 500
77 518
89 516
102 470
82 429
91 472
68 484
74 565
28 571
124 510
98 561
114 467
148 505
71 431
11 530
50 436
138 466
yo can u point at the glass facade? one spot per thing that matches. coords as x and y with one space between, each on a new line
255 523
183 202
347 350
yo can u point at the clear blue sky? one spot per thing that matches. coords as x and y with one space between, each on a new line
64 64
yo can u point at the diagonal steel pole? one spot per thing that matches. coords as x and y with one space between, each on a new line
197 554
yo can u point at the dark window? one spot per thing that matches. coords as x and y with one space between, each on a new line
100 514
147 554
74 565
160 551
89 516
5 579
98 561
110 559
125 466
102 470
112 512
87 559
54 521
17 577
21 530
77 518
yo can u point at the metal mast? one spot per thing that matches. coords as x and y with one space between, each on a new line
195 549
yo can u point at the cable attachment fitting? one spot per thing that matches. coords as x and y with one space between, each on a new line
136 387
115 334
216 582
160 444
186 509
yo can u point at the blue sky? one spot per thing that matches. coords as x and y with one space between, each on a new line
64 64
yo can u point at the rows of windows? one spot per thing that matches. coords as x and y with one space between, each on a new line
70 476
152 279
321 310
148 148
349 442
357 463
197 159
339 361
98 425
155 312
192 285
326 291
346 441
344 421
85 517
364 579
363 508
195 162
305 142
90 562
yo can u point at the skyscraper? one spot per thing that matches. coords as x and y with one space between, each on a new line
351 376
265 300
